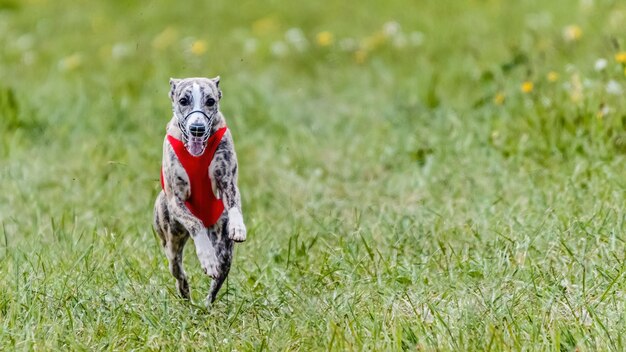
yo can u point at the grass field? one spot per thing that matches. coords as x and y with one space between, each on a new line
416 175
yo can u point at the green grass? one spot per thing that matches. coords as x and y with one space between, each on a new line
392 203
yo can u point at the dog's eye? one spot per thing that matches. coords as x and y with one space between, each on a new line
183 101
210 102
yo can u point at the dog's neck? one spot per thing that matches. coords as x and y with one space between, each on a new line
173 129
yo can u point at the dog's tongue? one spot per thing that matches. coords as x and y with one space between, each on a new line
195 146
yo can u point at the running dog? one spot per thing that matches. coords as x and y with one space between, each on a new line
199 197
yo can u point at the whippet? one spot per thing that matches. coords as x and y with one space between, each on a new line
199 197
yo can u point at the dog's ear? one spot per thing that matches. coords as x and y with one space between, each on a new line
216 80
173 83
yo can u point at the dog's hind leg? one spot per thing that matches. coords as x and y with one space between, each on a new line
223 247
174 252
173 238
161 217
216 284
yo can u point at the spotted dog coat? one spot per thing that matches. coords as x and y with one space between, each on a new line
173 221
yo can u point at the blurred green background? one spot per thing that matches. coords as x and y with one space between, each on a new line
431 175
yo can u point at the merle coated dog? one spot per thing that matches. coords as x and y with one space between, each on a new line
200 198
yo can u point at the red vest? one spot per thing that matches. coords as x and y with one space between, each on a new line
202 202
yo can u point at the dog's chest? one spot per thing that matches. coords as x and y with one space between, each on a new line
202 201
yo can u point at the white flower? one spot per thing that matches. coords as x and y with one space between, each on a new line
586 4
572 33
279 49
604 110
296 38
391 28
348 44
29 58
250 45
612 87
539 20
600 64
399 41
25 42
120 51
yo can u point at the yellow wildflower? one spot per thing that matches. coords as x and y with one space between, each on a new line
374 41
576 92
572 33
499 98
198 47
553 76
602 111
621 57
264 25
324 38
164 39
527 86
71 62
360 56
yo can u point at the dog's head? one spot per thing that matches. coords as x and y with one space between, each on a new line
195 102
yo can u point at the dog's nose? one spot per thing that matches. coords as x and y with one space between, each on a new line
197 129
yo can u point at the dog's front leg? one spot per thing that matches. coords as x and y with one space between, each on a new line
177 190
199 234
223 171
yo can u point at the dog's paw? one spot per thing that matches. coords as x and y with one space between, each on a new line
208 262
209 268
206 254
236 228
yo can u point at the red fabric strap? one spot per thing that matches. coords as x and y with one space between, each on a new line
202 202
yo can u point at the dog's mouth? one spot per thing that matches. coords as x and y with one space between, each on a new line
196 132
195 145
